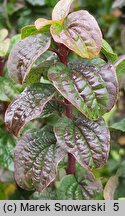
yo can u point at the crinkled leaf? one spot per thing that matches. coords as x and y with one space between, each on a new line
80 33
108 52
27 106
36 158
119 125
98 62
108 74
36 72
110 188
72 189
61 10
88 141
51 108
7 89
83 87
25 53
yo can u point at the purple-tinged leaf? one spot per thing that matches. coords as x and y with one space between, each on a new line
80 33
52 107
37 72
7 89
108 52
25 53
61 10
108 74
83 87
36 158
6 176
27 106
88 141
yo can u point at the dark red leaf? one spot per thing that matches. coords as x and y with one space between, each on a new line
27 106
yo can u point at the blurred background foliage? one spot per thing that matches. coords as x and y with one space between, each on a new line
15 14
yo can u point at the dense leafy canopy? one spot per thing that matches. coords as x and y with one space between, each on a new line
68 82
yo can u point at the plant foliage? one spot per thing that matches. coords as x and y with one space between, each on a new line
72 96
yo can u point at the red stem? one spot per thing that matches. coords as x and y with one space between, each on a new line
63 54
71 168
2 62
4 104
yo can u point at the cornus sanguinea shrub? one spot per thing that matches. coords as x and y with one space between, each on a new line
77 86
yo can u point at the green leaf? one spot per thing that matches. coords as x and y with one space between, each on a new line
80 33
51 3
36 72
119 125
97 62
48 194
13 6
108 52
7 145
72 189
7 89
120 69
28 31
88 141
16 38
83 87
31 30
51 108
37 2
36 158
24 54
61 10
27 106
